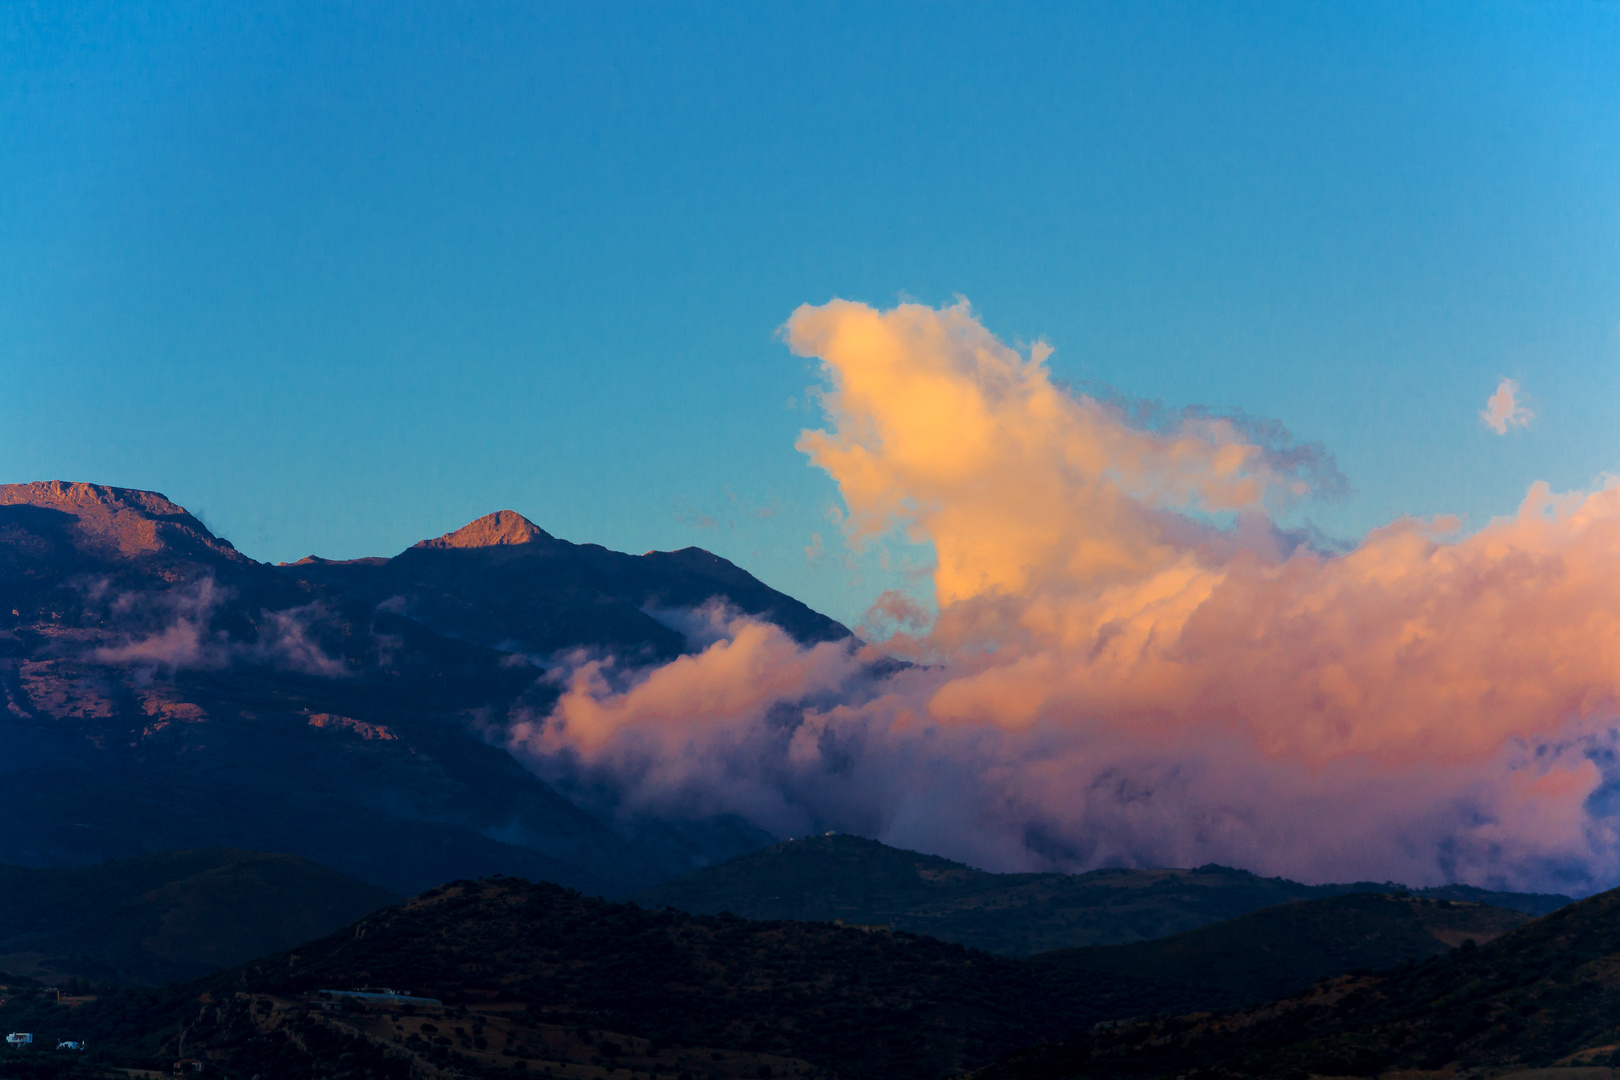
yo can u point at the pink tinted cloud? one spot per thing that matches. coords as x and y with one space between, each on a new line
1504 410
1113 679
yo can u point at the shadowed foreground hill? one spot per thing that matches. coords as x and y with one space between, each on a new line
177 915
541 974
863 881
1279 950
1546 995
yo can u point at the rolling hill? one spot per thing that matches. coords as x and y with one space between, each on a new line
539 974
1279 950
176 915
862 881
1545 996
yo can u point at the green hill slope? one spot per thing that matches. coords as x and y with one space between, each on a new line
862 881
1546 996
539 974
174 915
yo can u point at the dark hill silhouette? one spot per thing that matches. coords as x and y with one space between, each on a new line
1278 950
540 974
160 690
863 881
176 915
1546 996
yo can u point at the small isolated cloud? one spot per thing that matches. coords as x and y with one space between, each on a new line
815 551
696 519
1504 410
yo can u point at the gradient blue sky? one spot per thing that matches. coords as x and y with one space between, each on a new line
341 277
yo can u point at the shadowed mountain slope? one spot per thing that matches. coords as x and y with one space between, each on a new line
863 881
535 972
171 916
159 690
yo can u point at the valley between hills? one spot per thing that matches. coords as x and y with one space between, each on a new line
222 779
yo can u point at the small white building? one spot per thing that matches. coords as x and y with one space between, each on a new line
19 1038
70 1044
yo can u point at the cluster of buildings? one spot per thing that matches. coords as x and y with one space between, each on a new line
26 1038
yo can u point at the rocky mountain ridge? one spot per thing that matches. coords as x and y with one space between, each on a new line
160 690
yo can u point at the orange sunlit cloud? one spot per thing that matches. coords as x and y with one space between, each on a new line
1053 519
1130 663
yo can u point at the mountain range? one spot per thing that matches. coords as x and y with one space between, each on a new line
271 755
184 914
861 881
159 690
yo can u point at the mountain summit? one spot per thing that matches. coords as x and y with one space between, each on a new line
503 582
94 521
492 530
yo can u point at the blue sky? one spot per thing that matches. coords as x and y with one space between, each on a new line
341 277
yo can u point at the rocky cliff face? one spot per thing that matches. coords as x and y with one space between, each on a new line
159 690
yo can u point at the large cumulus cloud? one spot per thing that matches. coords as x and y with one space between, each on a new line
1130 662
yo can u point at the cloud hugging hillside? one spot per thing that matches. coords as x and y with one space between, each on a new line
497 700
